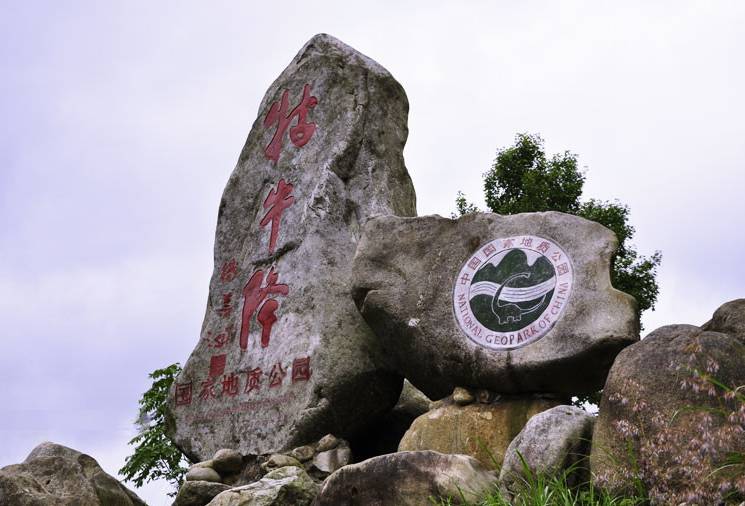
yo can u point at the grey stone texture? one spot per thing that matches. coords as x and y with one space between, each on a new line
729 319
56 474
320 369
404 274
198 493
331 460
282 487
227 461
655 418
202 473
552 442
482 431
407 479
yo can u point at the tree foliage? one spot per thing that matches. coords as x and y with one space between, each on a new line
155 456
523 179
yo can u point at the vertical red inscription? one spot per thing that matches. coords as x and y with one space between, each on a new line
279 199
230 384
217 365
229 271
301 369
301 133
227 305
183 394
254 296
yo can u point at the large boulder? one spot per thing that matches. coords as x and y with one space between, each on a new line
284 356
407 479
553 442
282 487
729 318
664 421
513 304
56 474
483 431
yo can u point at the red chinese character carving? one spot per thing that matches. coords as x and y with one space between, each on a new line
217 365
556 256
489 249
301 369
475 262
230 384
208 389
227 306
183 394
527 242
276 202
254 296
464 279
562 269
507 243
301 133
253 380
543 247
229 271
276 375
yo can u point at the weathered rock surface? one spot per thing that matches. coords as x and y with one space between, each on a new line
278 460
551 442
202 473
729 319
483 431
331 460
227 461
407 479
56 474
513 304
284 356
657 413
282 487
198 493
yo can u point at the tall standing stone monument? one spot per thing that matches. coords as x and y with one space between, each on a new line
284 356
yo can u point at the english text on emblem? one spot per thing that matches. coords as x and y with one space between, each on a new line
512 291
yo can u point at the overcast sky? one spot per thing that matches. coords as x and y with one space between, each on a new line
121 122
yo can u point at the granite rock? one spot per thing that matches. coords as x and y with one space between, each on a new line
483 431
198 493
56 474
513 304
407 479
552 442
282 487
284 356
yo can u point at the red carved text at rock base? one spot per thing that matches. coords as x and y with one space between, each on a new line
183 394
301 133
301 369
278 199
254 296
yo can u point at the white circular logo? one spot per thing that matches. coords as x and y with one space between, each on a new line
512 291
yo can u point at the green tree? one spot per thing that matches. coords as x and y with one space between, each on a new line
155 456
523 179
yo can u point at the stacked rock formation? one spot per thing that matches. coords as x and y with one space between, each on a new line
284 357
518 309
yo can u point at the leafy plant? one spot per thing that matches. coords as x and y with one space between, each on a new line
155 456
523 179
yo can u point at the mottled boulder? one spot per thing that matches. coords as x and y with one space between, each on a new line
227 461
552 442
284 356
513 304
331 460
407 479
662 419
198 493
729 319
483 431
56 474
282 487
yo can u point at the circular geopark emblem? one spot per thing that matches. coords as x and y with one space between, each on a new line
512 291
